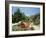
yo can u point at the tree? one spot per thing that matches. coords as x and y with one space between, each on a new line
36 19
18 16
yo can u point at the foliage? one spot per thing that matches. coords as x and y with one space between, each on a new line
35 19
18 16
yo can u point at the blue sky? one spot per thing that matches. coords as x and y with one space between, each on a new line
28 11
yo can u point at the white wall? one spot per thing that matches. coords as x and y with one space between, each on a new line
2 19
28 0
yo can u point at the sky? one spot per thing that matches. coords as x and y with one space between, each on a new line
28 11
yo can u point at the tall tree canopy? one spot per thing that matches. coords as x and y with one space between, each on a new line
18 16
